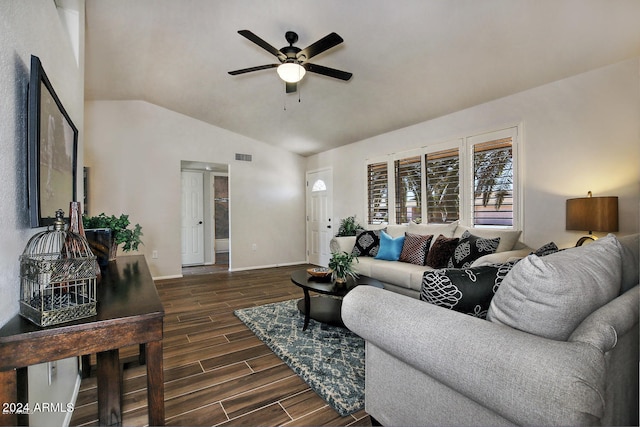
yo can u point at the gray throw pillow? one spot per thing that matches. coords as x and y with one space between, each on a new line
550 296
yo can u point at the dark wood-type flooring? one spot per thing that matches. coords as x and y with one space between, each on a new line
216 371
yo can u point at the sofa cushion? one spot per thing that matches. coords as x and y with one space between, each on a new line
367 243
440 251
467 290
550 296
390 247
415 248
470 248
446 230
508 238
397 273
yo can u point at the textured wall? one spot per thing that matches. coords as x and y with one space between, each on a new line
581 133
26 28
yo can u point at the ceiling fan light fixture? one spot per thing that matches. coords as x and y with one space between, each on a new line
291 72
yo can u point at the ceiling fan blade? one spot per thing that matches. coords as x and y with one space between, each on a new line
325 43
263 44
291 87
326 71
250 69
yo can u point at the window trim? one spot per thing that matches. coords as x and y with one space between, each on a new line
465 146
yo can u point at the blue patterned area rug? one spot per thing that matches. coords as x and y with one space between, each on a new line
328 358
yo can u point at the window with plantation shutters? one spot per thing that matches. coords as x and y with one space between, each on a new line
493 182
471 179
378 193
408 185
443 186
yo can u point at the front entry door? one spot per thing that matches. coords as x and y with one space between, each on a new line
192 218
319 214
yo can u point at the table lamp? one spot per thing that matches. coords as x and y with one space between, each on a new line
592 214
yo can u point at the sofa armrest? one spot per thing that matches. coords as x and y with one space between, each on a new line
513 373
602 328
502 257
342 244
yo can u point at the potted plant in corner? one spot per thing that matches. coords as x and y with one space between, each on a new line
349 227
120 234
341 265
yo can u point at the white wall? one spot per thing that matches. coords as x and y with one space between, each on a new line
134 149
581 133
28 28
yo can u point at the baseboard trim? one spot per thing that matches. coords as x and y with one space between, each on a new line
173 276
258 267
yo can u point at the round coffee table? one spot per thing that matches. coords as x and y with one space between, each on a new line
327 305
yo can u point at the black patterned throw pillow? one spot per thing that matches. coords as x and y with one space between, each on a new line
546 249
415 248
367 243
467 290
470 248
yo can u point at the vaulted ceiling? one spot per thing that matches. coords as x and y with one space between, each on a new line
412 60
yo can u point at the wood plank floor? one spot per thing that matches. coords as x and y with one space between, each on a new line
216 371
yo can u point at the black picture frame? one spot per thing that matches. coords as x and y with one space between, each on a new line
52 151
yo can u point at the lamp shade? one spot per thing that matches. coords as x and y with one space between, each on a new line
291 72
592 214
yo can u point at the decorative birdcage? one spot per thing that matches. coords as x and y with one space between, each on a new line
57 277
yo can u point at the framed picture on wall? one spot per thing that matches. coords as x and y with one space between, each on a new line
52 150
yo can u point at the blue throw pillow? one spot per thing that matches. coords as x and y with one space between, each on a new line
390 248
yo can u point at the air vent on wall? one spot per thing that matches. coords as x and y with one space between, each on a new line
243 157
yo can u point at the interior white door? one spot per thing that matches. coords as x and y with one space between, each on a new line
192 218
319 215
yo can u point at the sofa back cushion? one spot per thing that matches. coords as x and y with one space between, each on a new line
446 230
550 296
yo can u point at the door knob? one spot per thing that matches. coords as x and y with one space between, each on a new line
328 226
199 222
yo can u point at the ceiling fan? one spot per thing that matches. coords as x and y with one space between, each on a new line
293 60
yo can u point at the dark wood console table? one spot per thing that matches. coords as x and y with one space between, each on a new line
129 313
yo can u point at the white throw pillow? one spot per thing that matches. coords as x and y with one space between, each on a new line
550 296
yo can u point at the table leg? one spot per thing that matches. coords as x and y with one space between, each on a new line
8 395
109 388
155 383
22 377
142 357
86 366
307 309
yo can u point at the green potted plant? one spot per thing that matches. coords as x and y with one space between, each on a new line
121 234
341 264
349 227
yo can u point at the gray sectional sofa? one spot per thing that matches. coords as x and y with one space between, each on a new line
560 346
